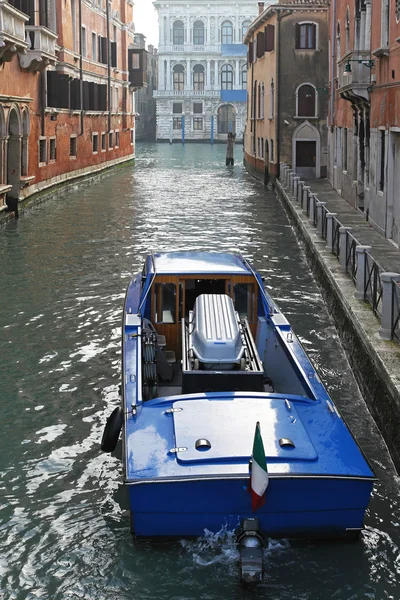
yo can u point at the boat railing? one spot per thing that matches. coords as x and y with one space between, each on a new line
374 285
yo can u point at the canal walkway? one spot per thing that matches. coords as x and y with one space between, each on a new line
375 361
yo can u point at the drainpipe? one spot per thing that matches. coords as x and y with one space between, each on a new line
280 16
80 65
333 55
108 64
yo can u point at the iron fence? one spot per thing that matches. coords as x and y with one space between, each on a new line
351 257
372 284
335 236
396 310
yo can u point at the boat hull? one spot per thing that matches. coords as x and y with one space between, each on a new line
300 507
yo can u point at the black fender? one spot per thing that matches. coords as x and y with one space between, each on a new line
112 430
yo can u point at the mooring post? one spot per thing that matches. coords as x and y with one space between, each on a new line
295 186
311 214
388 304
320 217
361 266
343 245
300 191
306 190
329 229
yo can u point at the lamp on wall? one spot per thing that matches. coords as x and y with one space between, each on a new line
367 63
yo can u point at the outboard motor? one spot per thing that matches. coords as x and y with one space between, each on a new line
251 542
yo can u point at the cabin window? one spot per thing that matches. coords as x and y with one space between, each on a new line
165 302
244 300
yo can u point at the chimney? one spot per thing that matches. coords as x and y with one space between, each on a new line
260 7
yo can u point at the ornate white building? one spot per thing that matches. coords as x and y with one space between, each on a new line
202 68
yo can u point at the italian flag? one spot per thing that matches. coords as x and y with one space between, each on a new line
259 473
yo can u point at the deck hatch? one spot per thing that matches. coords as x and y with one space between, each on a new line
229 425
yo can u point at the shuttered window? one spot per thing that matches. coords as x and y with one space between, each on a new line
306 36
260 44
250 53
269 36
113 48
57 90
306 101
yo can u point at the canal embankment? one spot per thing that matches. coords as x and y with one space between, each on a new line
348 258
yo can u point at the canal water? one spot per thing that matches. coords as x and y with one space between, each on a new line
65 265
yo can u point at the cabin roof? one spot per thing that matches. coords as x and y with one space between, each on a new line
192 263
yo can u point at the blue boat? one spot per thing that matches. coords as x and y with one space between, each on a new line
206 354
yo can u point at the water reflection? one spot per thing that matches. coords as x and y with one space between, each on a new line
65 268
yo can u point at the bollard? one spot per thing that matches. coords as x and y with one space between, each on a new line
385 332
287 173
361 266
291 177
311 213
320 217
329 230
300 191
306 189
343 245
295 187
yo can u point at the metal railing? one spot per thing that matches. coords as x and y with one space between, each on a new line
373 283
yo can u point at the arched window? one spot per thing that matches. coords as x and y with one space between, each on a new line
271 151
272 100
179 77
338 49
178 33
227 32
244 78
198 78
347 27
198 33
306 105
227 77
262 94
306 36
245 26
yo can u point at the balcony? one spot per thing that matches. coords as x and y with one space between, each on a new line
137 61
186 94
41 50
12 31
354 75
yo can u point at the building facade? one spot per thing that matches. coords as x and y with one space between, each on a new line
66 99
364 115
202 69
287 92
145 104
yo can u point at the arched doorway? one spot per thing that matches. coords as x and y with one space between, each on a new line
266 163
13 158
226 119
25 141
306 151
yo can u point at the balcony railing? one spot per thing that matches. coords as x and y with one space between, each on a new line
186 93
12 31
354 76
41 50
188 47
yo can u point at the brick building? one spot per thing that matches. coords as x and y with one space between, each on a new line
364 115
145 104
66 91
287 93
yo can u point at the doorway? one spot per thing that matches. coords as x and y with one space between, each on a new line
13 159
306 153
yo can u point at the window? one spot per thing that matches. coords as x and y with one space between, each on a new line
245 27
197 123
197 108
227 32
177 123
382 160
260 44
83 40
103 142
306 36
243 299
94 46
178 33
132 136
272 100
117 139
306 101
271 153
179 78
42 151
177 108
198 78
244 78
135 60
262 95
398 10
345 149
72 146
198 33
52 149
110 140
95 143
164 302
227 77
385 24
269 38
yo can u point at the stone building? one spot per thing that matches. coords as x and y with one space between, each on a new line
145 104
202 70
66 99
287 94
364 116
